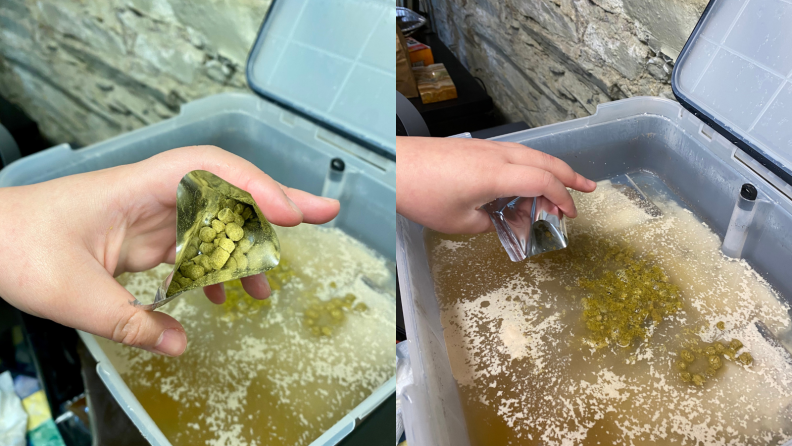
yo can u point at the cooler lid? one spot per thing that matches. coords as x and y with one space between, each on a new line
735 73
331 61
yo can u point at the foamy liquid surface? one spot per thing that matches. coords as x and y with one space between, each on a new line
515 338
253 373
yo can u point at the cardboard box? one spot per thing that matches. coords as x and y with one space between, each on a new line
420 54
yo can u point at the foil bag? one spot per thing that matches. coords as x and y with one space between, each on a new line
201 199
528 226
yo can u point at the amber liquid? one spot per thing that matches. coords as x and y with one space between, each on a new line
517 341
253 373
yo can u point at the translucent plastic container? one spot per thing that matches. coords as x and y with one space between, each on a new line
703 169
291 149
733 80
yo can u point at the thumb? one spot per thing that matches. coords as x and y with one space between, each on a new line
150 330
281 206
109 313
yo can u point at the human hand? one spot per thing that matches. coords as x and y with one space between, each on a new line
442 182
66 239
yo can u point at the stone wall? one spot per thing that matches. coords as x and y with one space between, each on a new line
545 61
87 70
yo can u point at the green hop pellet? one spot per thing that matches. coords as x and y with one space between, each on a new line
316 330
247 213
234 232
710 372
226 245
184 281
715 362
710 350
174 287
687 356
361 307
228 203
183 267
730 353
226 215
337 314
190 251
686 377
327 331
219 258
239 220
719 348
244 245
218 225
194 272
698 379
313 314
206 248
735 344
721 325
681 365
203 261
241 260
309 322
231 264
207 234
745 358
239 208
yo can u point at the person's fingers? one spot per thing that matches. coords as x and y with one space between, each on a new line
169 167
257 286
171 341
170 256
316 210
105 309
477 222
215 293
521 155
525 181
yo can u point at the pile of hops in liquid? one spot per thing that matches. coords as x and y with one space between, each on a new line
220 244
280 275
239 303
321 316
622 301
697 363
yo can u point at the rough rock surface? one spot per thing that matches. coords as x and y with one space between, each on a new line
545 61
87 70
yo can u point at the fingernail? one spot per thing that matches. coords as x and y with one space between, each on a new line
294 206
171 342
267 287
